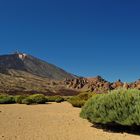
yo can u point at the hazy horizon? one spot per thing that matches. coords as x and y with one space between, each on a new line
86 38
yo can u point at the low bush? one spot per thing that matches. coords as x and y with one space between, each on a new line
19 98
59 99
76 101
85 95
121 107
35 99
79 100
5 99
56 98
27 101
66 98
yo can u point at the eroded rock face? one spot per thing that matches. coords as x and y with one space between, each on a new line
136 84
97 84
126 85
76 83
117 84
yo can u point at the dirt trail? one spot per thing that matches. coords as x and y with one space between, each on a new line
50 122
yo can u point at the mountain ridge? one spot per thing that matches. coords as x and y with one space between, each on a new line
33 65
21 73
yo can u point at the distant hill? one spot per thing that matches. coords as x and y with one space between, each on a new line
32 65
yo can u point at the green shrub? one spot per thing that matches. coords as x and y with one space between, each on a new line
5 99
35 99
117 107
38 98
79 100
85 95
76 101
66 98
19 98
59 99
27 101
56 98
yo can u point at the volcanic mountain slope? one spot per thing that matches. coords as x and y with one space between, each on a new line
19 82
21 73
32 65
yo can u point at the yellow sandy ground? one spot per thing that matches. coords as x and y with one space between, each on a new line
50 122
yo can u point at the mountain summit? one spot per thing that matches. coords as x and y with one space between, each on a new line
32 65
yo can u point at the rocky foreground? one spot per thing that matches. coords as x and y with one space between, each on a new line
51 122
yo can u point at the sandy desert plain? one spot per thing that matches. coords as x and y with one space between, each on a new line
52 121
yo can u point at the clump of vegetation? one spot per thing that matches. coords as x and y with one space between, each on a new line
19 98
121 107
56 98
5 99
35 99
27 101
66 98
31 99
76 102
79 100
59 100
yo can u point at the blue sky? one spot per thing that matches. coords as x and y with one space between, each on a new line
85 37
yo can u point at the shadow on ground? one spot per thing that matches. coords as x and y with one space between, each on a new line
135 130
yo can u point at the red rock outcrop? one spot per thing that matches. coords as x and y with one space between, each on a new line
98 84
